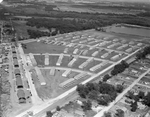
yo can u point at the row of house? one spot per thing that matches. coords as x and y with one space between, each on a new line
17 73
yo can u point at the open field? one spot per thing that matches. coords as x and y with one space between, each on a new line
87 8
21 28
52 88
38 47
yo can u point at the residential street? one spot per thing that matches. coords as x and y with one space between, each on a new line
101 113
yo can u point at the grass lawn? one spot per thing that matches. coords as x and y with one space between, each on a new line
107 44
101 53
38 47
111 55
53 60
40 59
70 50
90 52
65 61
78 62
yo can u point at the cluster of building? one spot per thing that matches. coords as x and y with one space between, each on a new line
22 93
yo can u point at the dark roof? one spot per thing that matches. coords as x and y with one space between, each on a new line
22 100
21 93
17 71
18 76
19 82
13 46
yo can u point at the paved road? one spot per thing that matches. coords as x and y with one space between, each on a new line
143 85
101 113
35 98
38 109
11 76
64 68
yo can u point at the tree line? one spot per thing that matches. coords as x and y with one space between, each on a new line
143 53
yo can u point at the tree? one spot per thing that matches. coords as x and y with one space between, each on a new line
113 95
100 82
119 68
90 86
13 40
130 95
134 106
142 54
93 95
107 114
114 72
146 99
49 114
141 94
102 101
86 105
119 88
80 87
58 108
106 77
82 91
106 88
119 113
125 64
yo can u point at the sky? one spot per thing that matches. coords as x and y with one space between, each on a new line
117 0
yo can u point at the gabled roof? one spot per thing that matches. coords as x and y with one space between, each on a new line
21 93
14 55
17 71
15 62
19 82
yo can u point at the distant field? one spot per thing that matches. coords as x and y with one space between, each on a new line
84 8
21 28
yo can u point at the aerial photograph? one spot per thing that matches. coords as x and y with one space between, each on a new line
74 58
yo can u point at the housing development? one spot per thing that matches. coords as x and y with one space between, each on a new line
45 74
76 68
